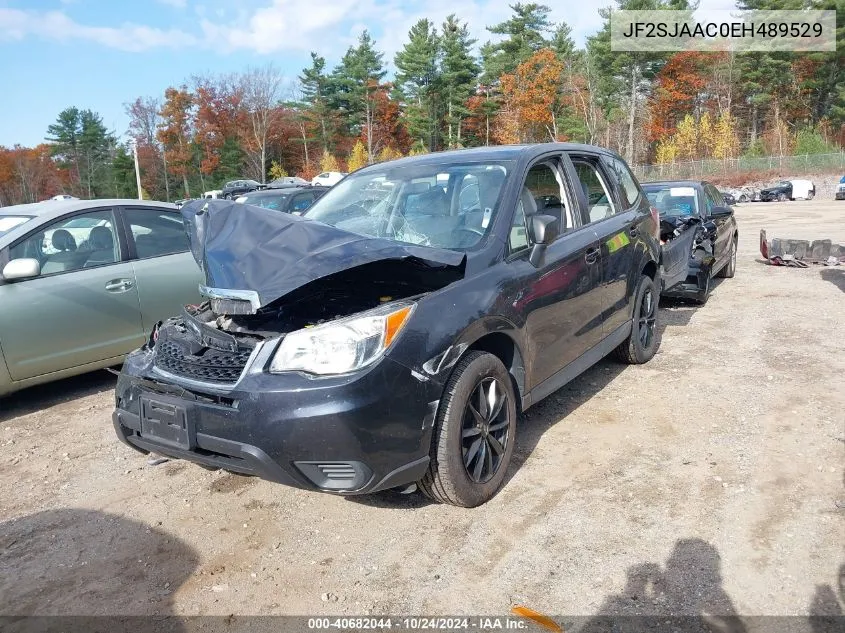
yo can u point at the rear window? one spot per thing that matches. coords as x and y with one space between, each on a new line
9 222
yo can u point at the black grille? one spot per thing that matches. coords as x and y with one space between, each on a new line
207 365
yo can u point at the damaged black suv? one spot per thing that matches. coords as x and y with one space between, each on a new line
391 336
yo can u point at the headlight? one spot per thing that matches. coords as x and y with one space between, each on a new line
343 345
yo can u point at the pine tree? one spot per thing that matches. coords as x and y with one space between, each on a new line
525 34
459 72
417 79
317 89
358 76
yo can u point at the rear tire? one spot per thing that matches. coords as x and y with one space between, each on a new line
743 198
811 195
641 344
474 433
729 269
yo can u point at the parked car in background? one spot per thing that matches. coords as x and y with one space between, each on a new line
64 196
294 200
744 194
287 181
214 194
235 188
699 236
789 190
328 178
84 282
729 198
365 348
840 190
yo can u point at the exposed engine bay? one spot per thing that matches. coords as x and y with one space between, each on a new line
336 296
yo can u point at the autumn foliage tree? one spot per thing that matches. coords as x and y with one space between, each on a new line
358 158
531 99
175 130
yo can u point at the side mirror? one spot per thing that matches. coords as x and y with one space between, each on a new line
544 229
22 268
721 212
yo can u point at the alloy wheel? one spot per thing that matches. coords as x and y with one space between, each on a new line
485 432
647 319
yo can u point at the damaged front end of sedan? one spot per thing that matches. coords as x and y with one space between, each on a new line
269 364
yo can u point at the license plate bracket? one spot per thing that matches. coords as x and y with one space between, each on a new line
166 421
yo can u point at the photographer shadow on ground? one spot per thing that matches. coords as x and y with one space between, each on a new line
687 592
74 562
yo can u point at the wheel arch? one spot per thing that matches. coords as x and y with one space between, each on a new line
505 348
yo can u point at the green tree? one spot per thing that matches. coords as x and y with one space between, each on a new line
525 34
63 135
317 88
84 147
459 74
417 79
358 77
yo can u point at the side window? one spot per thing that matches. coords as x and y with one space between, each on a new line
302 202
716 198
156 232
518 239
545 186
709 200
625 181
81 241
599 201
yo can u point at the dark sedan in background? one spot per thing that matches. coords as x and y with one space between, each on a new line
698 235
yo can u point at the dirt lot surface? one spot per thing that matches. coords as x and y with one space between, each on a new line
708 481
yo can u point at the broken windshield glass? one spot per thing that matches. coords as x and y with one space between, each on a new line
446 206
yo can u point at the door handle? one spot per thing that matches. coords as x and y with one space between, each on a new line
119 285
592 255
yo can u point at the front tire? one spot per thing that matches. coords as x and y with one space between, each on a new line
781 197
474 433
641 344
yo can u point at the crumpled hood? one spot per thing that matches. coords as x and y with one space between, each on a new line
247 248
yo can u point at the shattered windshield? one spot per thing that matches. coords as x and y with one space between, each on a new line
446 205
672 201
9 222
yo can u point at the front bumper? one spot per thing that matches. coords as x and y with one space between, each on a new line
349 434
840 195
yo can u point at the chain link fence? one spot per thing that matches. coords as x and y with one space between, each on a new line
701 169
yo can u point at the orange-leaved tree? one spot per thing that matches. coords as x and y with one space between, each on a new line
174 132
531 98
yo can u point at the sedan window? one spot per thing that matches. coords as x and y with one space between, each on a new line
156 233
82 241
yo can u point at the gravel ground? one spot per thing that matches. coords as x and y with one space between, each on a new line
708 481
